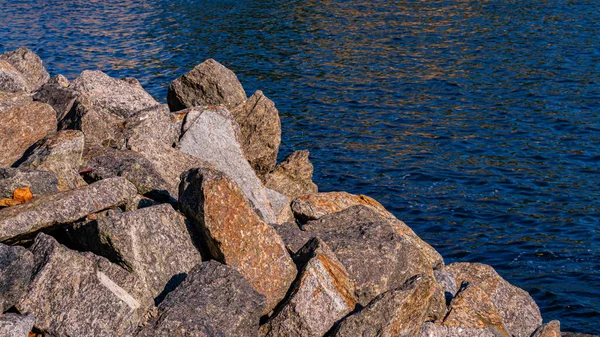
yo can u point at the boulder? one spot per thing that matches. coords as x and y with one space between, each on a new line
375 255
81 294
518 310
550 329
39 182
281 206
213 136
397 312
235 234
447 282
16 266
60 80
293 176
293 237
436 330
44 212
209 83
11 80
14 325
29 65
322 295
153 124
152 242
214 300
59 153
59 97
314 206
9 100
21 127
261 132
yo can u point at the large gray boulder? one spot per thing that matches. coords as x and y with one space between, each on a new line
152 242
209 83
39 182
293 176
14 325
10 100
59 97
214 300
11 80
81 294
260 132
16 266
23 221
212 135
29 65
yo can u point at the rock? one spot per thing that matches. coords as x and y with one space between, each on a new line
293 237
81 294
314 206
44 212
436 330
261 132
213 136
59 153
398 312
235 234
152 242
21 127
153 124
28 64
60 80
321 296
518 310
209 83
13 325
40 182
139 202
11 80
16 266
472 308
375 255
293 176
550 329
281 206
9 100
214 300
60 98
447 282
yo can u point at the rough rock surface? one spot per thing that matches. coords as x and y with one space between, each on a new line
16 266
40 182
293 237
518 310
236 235
214 300
21 127
11 80
153 124
322 295
29 65
436 330
13 325
550 329
293 176
152 242
58 97
60 80
59 153
23 220
10 100
281 206
81 294
261 132
375 255
213 136
209 83
398 312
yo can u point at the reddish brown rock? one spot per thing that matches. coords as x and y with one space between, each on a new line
293 176
10 100
550 329
21 127
437 330
235 234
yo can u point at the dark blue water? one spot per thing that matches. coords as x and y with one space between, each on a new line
475 122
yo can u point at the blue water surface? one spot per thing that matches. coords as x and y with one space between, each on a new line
475 122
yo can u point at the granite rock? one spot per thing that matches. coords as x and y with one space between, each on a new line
59 97
293 237
281 206
40 182
60 80
16 266
436 330
550 329
9 100
29 65
11 80
293 176
14 325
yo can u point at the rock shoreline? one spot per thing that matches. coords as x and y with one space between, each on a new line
175 219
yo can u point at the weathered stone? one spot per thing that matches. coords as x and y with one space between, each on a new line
209 83
550 329
59 153
293 237
436 330
281 206
28 64
11 80
213 135
235 234
13 325
21 127
39 182
518 310
9 100
321 296
447 282
152 242
314 206
293 176
153 124
60 98
261 132
16 266
375 255
60 80
81 294
398 312
139 202
214 300
22 221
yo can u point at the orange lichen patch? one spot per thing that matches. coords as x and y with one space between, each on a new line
20 195
341 280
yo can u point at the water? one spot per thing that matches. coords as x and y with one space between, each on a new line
475 122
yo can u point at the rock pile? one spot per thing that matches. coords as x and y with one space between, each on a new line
175 220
